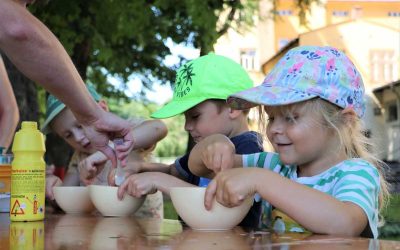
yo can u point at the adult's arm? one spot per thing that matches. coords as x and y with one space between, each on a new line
38 54
9 115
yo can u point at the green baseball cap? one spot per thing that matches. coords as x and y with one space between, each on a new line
207 77
55 106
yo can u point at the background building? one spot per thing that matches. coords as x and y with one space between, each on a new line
367 31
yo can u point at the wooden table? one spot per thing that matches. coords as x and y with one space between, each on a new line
67 231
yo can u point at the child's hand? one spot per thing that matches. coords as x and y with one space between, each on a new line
230 187
219 155
90 167
132 167
138 185
51 181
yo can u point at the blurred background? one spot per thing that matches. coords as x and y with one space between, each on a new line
130 50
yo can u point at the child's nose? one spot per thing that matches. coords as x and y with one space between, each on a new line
79 136
276 127
188 126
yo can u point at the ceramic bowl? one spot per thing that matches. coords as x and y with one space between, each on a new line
189 204
73 200
105 199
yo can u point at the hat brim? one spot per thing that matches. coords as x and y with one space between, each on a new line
176 107
46 128
267 95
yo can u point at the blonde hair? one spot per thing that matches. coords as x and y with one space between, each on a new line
349 129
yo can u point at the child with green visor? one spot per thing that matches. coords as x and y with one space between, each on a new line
201 88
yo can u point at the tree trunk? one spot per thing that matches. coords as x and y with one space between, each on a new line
25 93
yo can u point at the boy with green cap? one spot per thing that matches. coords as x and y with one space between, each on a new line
61 121
201 89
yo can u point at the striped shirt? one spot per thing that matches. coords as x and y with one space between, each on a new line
354 180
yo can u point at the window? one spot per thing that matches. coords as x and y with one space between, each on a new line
394 13
284 12
340 13
248 59
282 42
392 112
383 65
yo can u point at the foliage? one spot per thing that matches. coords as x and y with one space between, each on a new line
176 141
169 210
391 228
124 37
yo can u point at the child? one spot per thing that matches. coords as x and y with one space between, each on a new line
322 176
61 121
200 93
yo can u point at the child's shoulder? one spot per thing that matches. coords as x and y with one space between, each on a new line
248 142
357 166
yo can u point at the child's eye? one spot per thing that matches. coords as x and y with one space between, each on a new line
195 116
291 119
68 135
270 119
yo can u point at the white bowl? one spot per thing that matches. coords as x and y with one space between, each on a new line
73 200
105 199
189 204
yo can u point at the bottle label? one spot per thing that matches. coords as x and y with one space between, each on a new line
27 194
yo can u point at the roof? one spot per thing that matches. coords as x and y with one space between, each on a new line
391 85
283 50
295 42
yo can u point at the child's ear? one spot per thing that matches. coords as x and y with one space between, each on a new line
234 113
103 104
349 115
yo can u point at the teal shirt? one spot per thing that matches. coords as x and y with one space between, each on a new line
353 180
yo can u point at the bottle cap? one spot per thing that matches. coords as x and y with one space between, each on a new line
28 138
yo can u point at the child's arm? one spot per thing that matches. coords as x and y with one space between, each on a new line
148 133
212 155
91 166
141 184
51 181
135 167
316 211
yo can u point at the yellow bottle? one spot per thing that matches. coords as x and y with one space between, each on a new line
28 174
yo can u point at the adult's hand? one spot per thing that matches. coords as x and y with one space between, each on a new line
108 127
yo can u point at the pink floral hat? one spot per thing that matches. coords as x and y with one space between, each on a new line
304 73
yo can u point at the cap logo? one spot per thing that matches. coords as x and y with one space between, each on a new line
184 80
